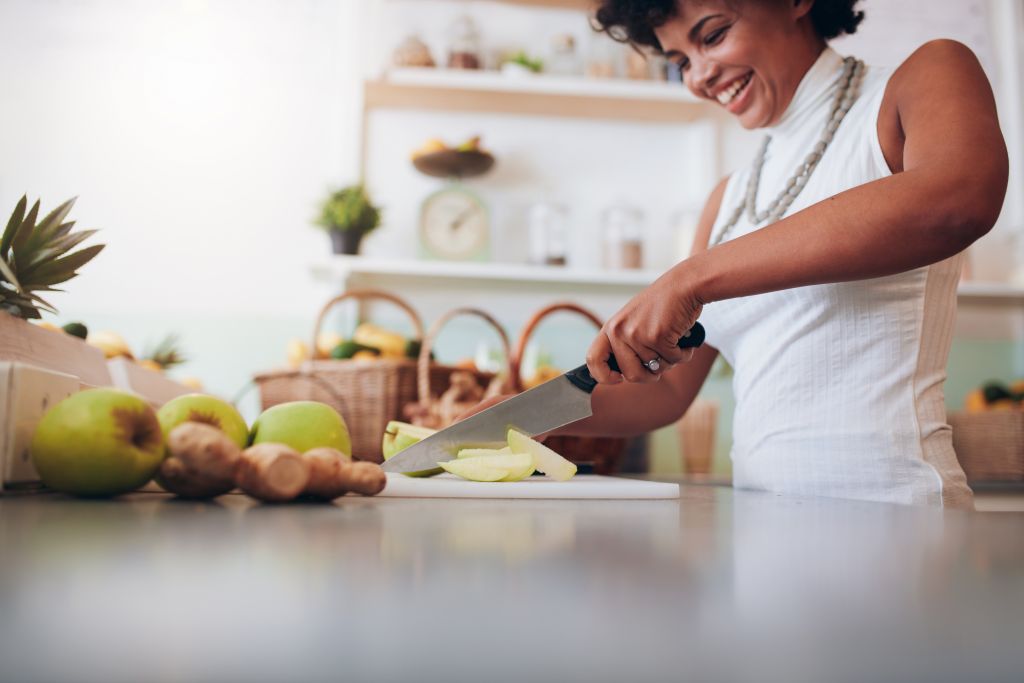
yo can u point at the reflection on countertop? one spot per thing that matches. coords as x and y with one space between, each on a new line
719 585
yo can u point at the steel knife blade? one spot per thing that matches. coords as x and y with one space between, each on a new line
555 403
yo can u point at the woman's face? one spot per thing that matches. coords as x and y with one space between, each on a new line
747 55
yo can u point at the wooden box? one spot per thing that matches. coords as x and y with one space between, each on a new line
24 342
153 386
26 393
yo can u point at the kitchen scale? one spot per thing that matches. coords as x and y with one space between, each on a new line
454 221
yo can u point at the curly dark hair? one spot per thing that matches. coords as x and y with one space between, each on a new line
634 21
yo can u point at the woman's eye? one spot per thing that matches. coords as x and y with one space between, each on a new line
715 36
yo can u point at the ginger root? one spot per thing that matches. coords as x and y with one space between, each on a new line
272 472
332 474
201 461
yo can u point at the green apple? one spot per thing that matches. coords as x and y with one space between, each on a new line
98 442
207 410
491 468
544 459
400 435
303 426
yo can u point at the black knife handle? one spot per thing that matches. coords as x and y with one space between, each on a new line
582 379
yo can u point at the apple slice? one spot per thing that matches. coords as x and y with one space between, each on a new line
544 459
400 435
484 452
491 468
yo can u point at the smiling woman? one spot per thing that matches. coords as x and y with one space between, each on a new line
826 271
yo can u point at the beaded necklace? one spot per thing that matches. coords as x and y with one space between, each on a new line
846 94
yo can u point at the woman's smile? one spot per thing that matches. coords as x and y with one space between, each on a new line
735 94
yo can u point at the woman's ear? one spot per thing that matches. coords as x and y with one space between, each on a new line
801 8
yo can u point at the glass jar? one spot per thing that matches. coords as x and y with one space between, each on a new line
564 60
623 238
464 45
548 227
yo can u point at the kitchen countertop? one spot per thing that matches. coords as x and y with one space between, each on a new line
719 585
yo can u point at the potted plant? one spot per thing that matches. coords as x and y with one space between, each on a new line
347 215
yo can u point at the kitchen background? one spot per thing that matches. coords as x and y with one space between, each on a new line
201 135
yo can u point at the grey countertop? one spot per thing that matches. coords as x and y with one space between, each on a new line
720 585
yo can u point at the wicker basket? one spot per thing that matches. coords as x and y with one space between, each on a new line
436 409
604 453
990 446
368 393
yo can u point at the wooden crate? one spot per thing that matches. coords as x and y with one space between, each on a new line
24 342
153 386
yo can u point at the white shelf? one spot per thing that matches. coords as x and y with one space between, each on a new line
341 269
540 94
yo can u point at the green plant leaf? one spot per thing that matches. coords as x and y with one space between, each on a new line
9 275
64 229
28 226
57 247
42 303
63 269
12 225
50 224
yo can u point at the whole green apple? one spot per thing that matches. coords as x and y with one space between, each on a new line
206 409
303 426
98 442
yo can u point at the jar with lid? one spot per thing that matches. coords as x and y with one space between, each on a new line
564 60
464 45
623 237
412 52
548 234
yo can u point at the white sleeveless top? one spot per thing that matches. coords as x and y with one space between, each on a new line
839 387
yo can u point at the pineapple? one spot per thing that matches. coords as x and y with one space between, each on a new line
166 354
35 256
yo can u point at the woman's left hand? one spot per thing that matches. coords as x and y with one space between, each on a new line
647 328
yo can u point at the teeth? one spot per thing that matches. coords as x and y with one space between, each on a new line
727 95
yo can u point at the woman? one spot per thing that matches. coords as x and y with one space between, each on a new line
826 271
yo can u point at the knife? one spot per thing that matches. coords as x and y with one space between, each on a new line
555 403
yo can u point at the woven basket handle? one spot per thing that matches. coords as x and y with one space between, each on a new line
515 365
362 295
423 364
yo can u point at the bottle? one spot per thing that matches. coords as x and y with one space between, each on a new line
623 238
548 234
464 45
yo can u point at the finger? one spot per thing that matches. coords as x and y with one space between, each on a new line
597 360
668 351
630 363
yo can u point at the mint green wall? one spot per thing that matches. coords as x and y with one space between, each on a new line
227 350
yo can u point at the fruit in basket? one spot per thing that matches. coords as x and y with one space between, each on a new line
995 396
111 344
541 375
302 425
390 344
76 330
350 348
204 409
201 461
400 435
166 354
98 442
413 348
297 352
150 364
49 326
325 343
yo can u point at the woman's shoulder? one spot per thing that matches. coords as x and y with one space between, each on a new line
942 59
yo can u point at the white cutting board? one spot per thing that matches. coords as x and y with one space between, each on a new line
581 486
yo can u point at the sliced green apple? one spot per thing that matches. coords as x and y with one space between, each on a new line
509 467
544 459
400 435
484 452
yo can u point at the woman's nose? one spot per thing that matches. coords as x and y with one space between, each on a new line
702 76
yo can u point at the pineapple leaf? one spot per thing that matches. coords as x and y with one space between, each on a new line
64 229
63 269
44 231
8 274
42 303
58 246
22 235
12 225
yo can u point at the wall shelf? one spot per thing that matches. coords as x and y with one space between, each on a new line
405 272
537 95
